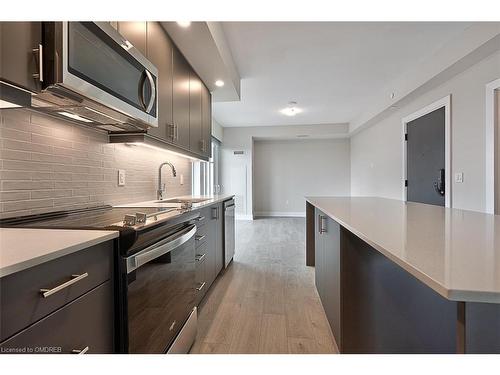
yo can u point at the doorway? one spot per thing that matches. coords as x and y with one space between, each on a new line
492 156
426 149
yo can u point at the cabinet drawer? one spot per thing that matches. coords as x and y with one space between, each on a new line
85 323
204 217
21 300
201 236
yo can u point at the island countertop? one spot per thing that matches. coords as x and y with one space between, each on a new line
455 252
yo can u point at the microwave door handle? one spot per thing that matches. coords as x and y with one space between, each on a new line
141 90
153 91
159 249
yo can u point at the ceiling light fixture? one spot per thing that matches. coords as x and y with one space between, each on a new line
291 110
184 23
219 83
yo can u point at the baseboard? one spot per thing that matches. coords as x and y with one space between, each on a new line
279 214
243 217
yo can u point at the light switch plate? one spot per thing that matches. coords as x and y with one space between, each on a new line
459 177
121 177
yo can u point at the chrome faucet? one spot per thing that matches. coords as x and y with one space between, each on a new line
161 187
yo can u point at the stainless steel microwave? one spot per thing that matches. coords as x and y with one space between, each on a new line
93 75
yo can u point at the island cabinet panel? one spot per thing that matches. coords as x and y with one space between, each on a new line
482 333
387 310
327 271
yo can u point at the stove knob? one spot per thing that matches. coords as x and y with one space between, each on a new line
129 220
141 217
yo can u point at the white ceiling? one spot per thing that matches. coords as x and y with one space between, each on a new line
331 69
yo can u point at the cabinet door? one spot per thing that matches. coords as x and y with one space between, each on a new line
319 262
181 76
331 258
18 62
201 273
135 33
206 121
211 247
159 52
195 120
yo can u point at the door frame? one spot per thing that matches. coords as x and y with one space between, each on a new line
491 146
443 102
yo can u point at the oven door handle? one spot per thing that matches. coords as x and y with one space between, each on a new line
160 248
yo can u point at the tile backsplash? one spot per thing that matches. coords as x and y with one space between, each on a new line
49 165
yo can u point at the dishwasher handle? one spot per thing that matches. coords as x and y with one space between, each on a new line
160 248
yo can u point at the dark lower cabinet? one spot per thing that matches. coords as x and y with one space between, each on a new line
327 271
82 326
62 306
219 238
209 248
19 54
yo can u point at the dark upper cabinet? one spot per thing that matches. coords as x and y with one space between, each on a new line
181 78
159 52
135 33
19 53
206 121
195 114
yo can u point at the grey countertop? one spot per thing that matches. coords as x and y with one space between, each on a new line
455 252
22 248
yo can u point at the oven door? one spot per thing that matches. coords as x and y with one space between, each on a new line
98 63
161 292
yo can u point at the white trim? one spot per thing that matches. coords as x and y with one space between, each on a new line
279 214
490 145
446 103
243 217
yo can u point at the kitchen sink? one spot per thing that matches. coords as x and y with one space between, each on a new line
182 200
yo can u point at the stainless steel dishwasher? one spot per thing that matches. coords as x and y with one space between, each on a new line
229 232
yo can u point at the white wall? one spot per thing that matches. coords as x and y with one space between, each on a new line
237 170
376 152
287 170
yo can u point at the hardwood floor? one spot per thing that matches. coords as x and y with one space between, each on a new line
266 301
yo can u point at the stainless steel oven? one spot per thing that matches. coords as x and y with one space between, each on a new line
160 295
91 74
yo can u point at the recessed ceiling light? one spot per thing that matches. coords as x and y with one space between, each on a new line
184 23
219 83
291 110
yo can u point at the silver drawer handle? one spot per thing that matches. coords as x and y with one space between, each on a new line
75 278
201 286
199 238
82 351
200 218
199 258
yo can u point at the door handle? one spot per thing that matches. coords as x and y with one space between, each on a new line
321 228
439 185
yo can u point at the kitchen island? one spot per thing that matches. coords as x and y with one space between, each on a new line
402 277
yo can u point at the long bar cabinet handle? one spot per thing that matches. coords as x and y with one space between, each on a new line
75 278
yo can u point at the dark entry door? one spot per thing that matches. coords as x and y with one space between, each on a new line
426 158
